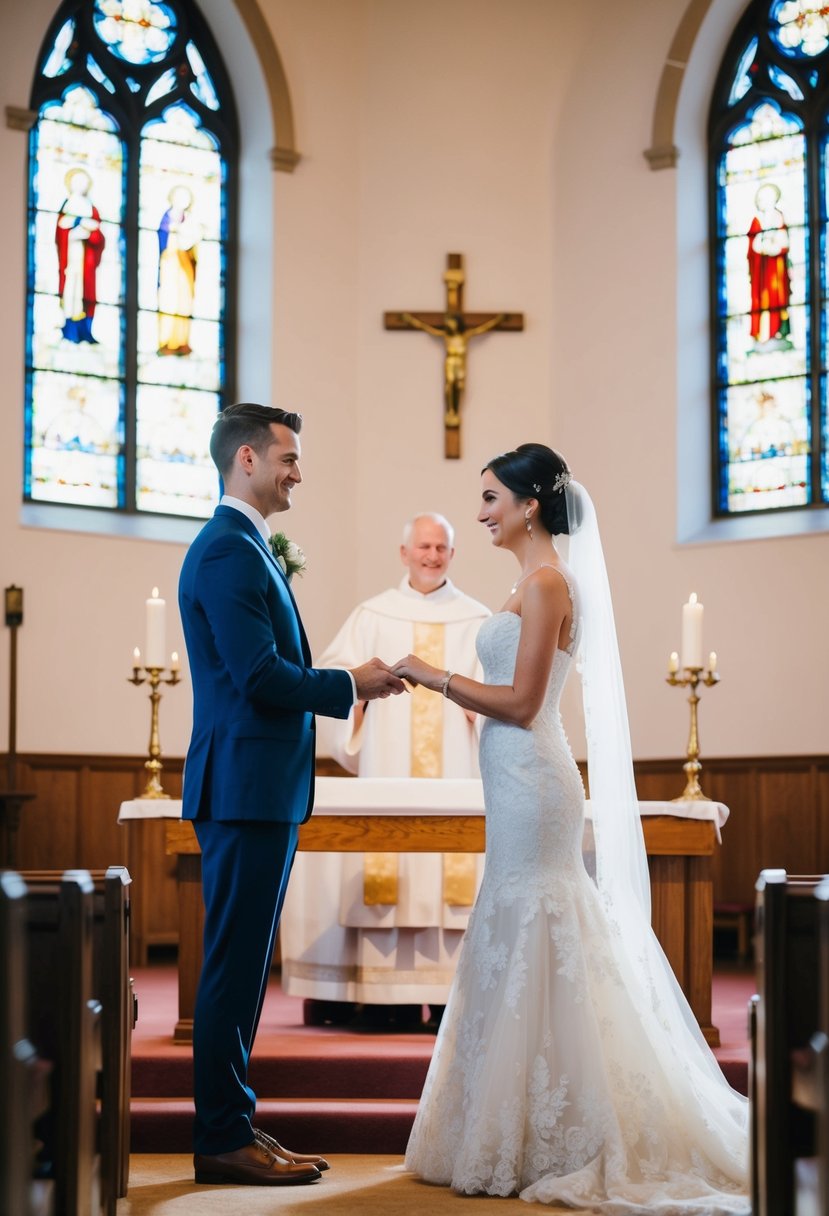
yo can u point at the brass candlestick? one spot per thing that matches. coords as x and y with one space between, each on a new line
691 679
153 764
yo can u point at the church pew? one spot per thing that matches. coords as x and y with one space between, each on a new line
820 1047
112 988
64 1026
783 1018
24 1078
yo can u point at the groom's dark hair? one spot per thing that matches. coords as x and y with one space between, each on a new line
247 423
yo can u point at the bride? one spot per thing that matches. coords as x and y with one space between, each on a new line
568 1067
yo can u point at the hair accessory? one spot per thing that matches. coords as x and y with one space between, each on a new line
536 487
562 480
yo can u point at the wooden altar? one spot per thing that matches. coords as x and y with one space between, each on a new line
680 852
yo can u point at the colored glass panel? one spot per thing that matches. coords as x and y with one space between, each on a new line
784 81
98 74
202 86
75 298
181 300
76 433
96 425
825 437
175 474
800 27
58 60
763 301
767 445
164 85
137 31
742 77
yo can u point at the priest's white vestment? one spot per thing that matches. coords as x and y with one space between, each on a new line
340 942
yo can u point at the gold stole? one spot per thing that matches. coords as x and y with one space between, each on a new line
459 869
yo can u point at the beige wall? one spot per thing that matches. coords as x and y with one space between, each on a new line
512 133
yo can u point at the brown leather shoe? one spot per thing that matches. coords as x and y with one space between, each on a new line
289 1154
256 1164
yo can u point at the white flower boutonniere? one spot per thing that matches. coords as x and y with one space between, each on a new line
289 555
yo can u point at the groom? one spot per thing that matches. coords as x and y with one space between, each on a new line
249 775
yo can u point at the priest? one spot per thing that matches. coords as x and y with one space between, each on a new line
384 930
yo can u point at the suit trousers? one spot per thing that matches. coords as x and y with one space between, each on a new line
245 869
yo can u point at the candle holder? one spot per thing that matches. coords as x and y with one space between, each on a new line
692 678
153 764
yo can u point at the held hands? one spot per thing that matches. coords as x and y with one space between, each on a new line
375 679
416 671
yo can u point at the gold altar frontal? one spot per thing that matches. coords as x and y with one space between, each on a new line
680 853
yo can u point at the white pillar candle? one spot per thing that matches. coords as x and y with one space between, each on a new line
692 632
175 665
712 661
155 649
673 663
136 658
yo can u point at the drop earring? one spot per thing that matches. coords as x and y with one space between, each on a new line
528 524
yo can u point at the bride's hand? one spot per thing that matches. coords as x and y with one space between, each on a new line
416 671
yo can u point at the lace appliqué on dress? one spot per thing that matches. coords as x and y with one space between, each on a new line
551 1077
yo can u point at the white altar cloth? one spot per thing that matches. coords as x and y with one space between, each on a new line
413 796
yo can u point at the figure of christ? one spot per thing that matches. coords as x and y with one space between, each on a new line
178 237
80 244
456 339
768 270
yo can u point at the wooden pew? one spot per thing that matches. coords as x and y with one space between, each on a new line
64 1026
820 1047
24 1078
783 1017
112 988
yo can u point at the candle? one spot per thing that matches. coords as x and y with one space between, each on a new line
175 665
156 630
692 632
136 658
712 661
673 663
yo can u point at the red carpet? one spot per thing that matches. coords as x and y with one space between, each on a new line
339 1090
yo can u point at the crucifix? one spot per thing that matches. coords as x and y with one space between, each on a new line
455 328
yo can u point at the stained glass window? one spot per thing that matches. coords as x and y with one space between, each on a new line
768 134
131 214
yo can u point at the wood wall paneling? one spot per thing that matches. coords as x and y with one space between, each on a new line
779 817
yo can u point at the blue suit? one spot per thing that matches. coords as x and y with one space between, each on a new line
248 784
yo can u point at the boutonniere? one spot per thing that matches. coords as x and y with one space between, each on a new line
289 555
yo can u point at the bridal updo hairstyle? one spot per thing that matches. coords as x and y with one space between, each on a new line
530 472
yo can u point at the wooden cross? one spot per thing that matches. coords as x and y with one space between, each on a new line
455 328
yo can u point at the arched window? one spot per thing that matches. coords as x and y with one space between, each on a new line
768 135
132 201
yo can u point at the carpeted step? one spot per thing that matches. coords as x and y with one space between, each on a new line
165 1125
331 1089
300 1073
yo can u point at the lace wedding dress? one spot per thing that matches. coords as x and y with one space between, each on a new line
554 1075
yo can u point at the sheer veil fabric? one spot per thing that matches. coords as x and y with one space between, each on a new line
568 1067
615 840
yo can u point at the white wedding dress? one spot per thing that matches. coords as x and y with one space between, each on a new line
554 1075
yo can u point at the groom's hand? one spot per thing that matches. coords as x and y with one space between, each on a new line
374 679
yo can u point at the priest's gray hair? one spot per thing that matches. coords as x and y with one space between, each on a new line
408 527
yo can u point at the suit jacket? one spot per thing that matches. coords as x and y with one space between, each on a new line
251 754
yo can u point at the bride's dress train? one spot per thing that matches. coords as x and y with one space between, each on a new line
555 1075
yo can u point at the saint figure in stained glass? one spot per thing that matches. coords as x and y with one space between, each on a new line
768 270
80 244
132 202
178 239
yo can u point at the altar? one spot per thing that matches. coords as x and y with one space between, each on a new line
439 815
